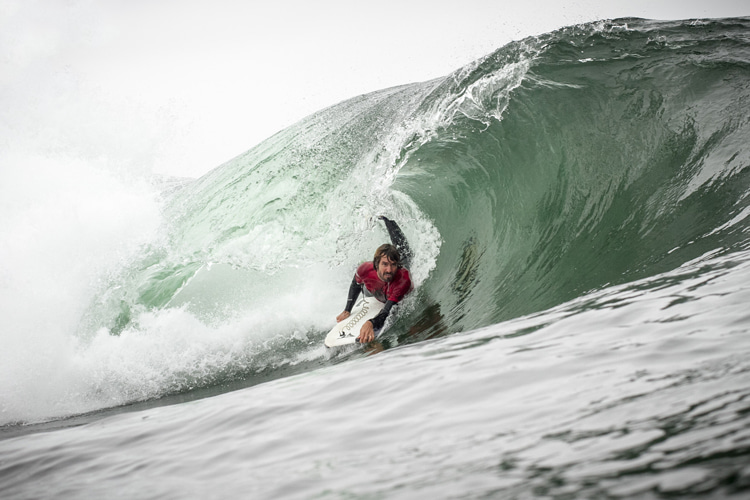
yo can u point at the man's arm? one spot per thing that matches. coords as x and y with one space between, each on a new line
367 332
399 240
354 291
379 320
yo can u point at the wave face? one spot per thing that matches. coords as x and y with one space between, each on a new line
559 165
591 157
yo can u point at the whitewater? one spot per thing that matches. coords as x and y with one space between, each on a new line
578 208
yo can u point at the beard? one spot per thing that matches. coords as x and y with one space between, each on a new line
387 277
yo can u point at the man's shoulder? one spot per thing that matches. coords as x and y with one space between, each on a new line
403 278
365 268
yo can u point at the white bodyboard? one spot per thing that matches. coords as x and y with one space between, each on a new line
346 332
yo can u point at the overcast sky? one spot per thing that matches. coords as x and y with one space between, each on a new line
178 86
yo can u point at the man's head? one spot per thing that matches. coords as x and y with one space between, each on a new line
387 261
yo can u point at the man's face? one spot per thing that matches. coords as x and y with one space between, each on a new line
386 269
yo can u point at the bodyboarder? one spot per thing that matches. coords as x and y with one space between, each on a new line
385 278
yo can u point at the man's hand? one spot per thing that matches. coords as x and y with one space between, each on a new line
342 316
366 333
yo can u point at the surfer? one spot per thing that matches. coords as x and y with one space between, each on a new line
385 277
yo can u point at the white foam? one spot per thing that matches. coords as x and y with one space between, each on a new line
64 223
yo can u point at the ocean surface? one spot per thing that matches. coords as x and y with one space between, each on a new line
578 205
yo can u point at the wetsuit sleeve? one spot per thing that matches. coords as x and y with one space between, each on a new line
399 241
379 320
354 290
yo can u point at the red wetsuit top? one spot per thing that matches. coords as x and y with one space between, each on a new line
390 293
393 291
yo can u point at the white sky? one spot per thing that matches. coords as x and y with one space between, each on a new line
179 86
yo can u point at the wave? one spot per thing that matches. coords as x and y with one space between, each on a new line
593 156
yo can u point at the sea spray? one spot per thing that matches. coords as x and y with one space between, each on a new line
66 224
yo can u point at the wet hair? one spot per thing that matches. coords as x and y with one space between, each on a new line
389 251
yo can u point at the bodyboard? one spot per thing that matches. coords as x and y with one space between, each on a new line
346 332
